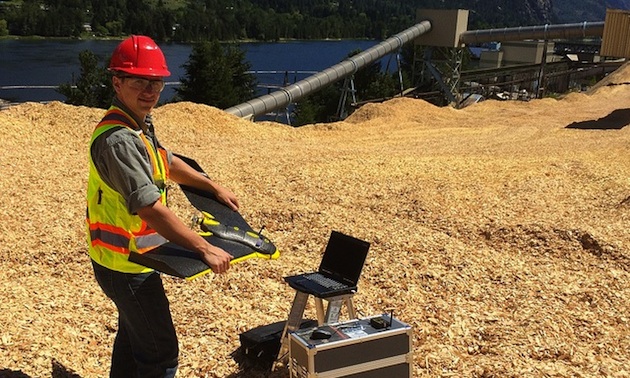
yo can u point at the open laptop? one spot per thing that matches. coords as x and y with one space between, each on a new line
339 270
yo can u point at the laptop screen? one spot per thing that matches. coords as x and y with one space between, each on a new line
344 258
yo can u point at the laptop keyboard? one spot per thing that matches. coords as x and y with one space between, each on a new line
325 281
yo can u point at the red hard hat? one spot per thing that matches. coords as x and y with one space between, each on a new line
139 55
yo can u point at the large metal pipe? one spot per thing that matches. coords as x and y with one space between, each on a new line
564 31
289 94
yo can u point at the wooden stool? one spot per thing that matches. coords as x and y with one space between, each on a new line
330 316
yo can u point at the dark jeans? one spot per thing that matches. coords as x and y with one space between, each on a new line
146 343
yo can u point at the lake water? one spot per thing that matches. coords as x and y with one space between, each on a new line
54 62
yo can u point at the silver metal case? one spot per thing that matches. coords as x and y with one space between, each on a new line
355 349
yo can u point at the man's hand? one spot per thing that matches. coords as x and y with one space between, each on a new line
227 197
217 259
167 224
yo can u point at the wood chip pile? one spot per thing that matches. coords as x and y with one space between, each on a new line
499 232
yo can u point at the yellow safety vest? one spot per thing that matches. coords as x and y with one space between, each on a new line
112 231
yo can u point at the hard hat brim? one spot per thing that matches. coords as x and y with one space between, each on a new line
142 71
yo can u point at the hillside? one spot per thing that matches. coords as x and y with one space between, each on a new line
568 11
499 232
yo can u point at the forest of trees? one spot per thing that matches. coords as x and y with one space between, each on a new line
230 20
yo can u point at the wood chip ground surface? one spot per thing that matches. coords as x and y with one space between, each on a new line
499 232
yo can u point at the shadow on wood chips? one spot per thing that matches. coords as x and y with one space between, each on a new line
8 373
249 368
616 120
60 371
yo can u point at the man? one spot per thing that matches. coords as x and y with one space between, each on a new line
126 211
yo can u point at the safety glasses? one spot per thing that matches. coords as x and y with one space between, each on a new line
140 84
